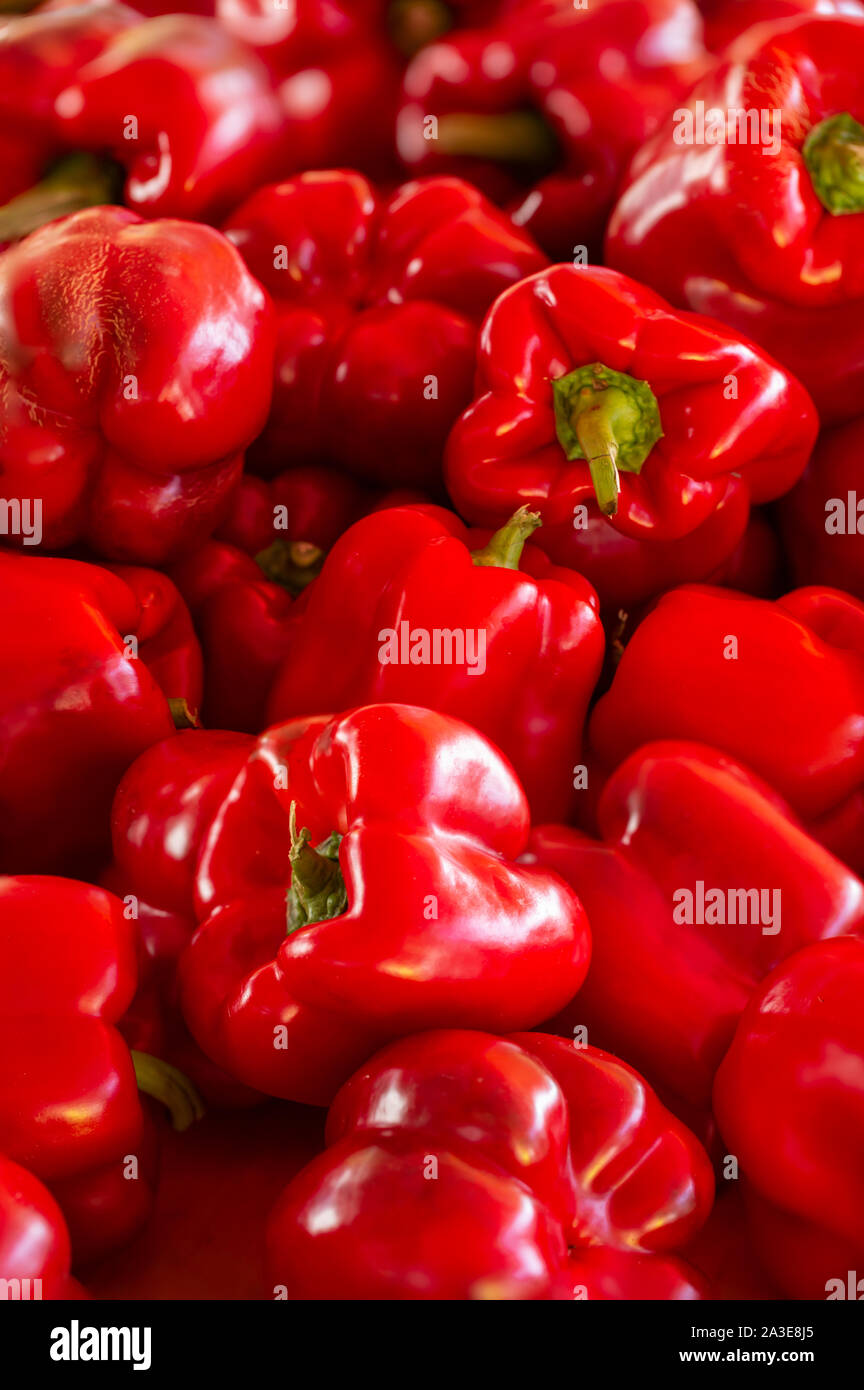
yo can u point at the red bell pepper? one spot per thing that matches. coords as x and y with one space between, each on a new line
163 809
779 686
78 702
466 1166
544 108
408 913
701 882
614 416
189 113
135 368
726 20
741 205
70 1112
822 518
521 650
34 1240
378 301
790 1101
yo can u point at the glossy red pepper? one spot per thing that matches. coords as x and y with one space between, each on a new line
411 889
748 217
466 1166
163 809
727 20
134 370
614 416
544 108
189 114
790 1101
70 1112
378 300
412 607
700 883
78 703
34 1240
779 686
822 518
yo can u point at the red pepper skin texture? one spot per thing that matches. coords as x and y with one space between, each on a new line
551 59
132 433
71 1112
822 518
727 20
432 818
167 642
790 1101
796 683
505 450
543 642
209 123
34 1241
763 253
538 1147
77 707
664 988
378 300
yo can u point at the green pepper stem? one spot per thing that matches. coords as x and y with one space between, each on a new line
834 155
504 549
317 890
183 715
600 447
170 1087
291 564
609 419
81 181
511 137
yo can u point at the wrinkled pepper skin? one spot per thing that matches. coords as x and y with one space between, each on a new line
538 643
663 988
430 921
778 686
135 367
543 109
740 230
789 1098
558 1174
78 705
378 300
34 1240
822 518
70 1111
208 124
687 426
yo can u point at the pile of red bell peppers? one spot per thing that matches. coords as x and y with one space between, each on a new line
432 642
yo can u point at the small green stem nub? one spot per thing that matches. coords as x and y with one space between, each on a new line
317 890
509 137
170 1087
834 155
183 715
609 419
81 181
504 549
291 564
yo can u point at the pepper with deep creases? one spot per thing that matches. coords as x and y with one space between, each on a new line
135 368
749 210
172 113
789 1099
700 883
361 882
378 300
778 686
543 108
71 1111
627 425
521 643
557 1175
